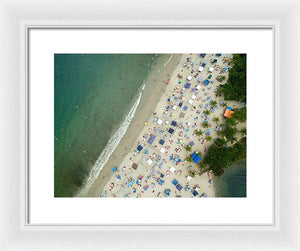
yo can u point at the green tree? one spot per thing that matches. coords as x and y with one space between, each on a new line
219 92
207 112
199 132
220 142
188 148
209 138
216 119
205 124
235 88
240 114
229 132
222 78
192 173
189 159
230 122
220 156
213 103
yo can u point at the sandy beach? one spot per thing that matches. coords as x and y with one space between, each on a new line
150 160
155 85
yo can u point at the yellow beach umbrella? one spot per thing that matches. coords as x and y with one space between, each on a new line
146 123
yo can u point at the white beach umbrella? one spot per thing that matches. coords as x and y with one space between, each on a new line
211 69
159 121
200 69
173 169
149 161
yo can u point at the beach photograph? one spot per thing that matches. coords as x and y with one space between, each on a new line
150 125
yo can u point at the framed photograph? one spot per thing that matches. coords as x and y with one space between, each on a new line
156 132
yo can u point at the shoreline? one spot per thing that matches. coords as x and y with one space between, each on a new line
179 106
155 85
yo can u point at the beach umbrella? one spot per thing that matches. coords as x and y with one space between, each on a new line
114 169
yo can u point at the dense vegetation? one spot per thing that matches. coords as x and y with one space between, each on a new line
240 114
235 88
225 150
220 155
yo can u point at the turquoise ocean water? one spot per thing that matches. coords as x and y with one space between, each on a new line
234 181
92 95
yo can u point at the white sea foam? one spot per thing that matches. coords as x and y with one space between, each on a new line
110 147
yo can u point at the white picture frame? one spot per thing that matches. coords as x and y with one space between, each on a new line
16 16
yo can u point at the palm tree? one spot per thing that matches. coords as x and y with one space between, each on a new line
224 104
205 124
213 103
209 138
219 92
207 112
231 122
189 159
222 78
192 173
188 148
216 119
199 132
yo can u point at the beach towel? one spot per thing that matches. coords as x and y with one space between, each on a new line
174 182
151 138
171 130
161 142
187 85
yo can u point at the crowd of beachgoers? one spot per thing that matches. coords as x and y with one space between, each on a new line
158 163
